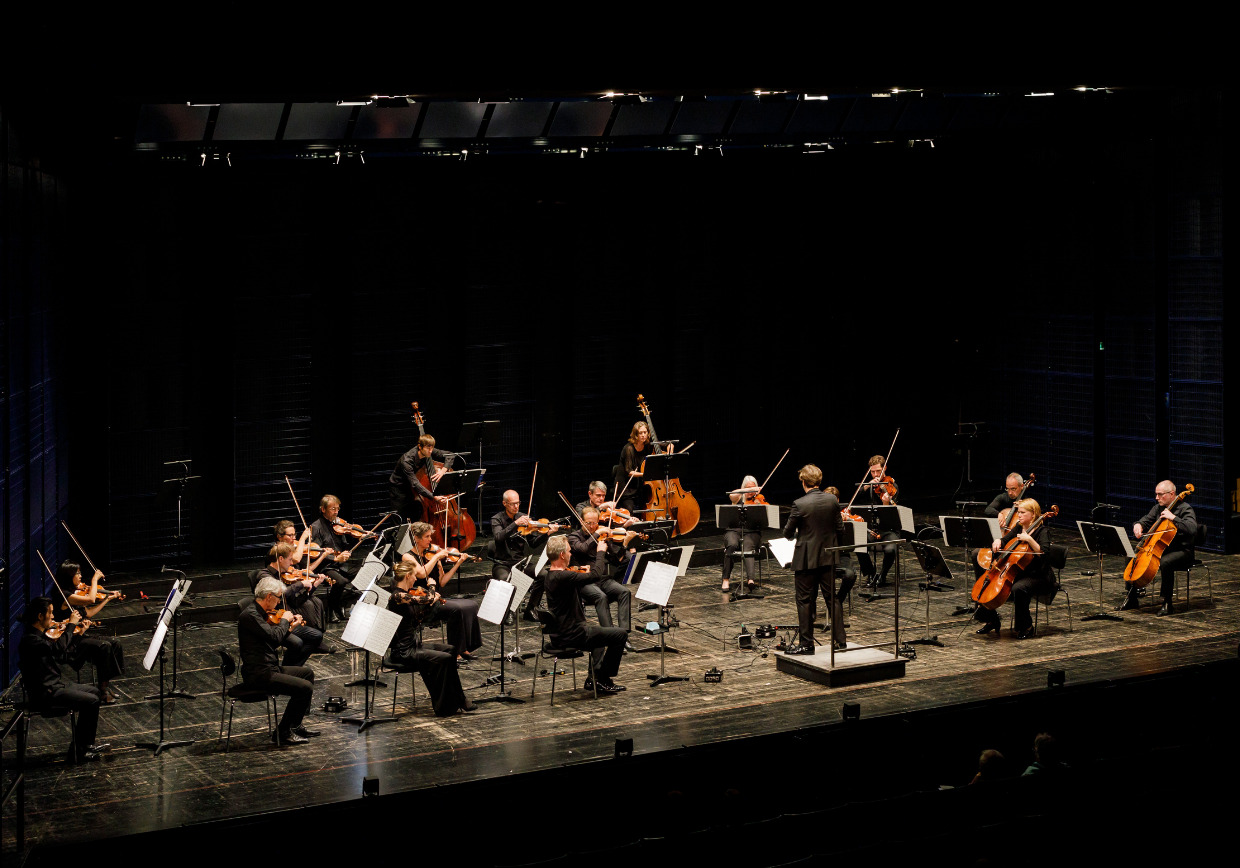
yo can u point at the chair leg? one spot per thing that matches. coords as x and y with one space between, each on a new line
555 664
1068 601
228 738
534 680
223 703
593 678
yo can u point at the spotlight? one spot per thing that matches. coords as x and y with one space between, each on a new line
1055 678
370 787
624 747
851 711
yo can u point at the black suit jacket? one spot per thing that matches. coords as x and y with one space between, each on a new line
816 524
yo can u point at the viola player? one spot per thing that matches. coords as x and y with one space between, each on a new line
259 640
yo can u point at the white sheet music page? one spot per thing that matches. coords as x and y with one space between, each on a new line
782 549
522 583
152 650
495 601
542 561
657 582
371 628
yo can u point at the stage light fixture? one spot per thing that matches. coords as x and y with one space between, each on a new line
1055 678
851 711
624 747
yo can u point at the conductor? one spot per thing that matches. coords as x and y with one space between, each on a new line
816 525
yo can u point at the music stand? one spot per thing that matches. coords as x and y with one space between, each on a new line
881 518
931 560
371 628
1104 539
180 588
636 571
747 518
659 577
665 465
499 601
969 533
522 583
178 488
453 483
484 434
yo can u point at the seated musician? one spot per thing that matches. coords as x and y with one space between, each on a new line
418 607
461 616
258 639
1179 552
39 657
297 597
1037 578
596 496
732 537
315 609
845 572
878 495
405 489
583 544
1004 499
628 472
571 629
103 652
508 546
328 532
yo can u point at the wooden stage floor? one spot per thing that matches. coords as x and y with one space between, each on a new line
133 791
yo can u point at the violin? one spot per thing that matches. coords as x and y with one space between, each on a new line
886 485
343 528
994 586
669 500
755 498
452 555
103 593
615 516
1005 524
540 526
274 617
314 551
1145 561
292 577
57 629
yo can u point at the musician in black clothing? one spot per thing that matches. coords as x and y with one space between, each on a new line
1035 579
629 470
461 616
404 487
103 652
296 597
816 524
571 628
732 539
583 544
596 496
876 495
1179 552
508 546
46 688
417 607
301 596
327 531
1004 499
260 667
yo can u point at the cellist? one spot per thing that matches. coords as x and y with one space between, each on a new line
1179 552
1037 578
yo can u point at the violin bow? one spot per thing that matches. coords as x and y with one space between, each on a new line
296 504
371 532
68 605
530 502
79 545
573 509
773 469
889 451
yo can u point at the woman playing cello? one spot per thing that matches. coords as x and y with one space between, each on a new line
1034 579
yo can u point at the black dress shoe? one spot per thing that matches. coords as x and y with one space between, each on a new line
89 756
1130 602
606 685
1166 609
530 616
801 649
100 747
986 628
467 657
289 738
467 705
305 733
1022 634
628 646
839 645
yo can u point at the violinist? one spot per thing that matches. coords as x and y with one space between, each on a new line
629 472
1179 552
606 643
39 654
583 548
296 597
404 487
300 595
508 545
596 496
879 489
329 532
258 638
103 652
461 616
1037 578
732 536
845 572
416 607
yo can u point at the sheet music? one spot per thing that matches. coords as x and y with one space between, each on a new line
542 561
522 583
367 581
657 583
782 549
495 602
157 642
370 627
772 513
906 518
861 535
180 587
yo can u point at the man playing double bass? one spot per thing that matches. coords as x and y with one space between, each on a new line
405 489
1178 554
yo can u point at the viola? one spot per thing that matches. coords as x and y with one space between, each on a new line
1005 524
540 526
755 498
668 499
994 586
452 524
1145 561
343 528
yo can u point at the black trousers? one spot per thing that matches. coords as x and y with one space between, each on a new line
606 645
85 700
103 653
300 644
732 548
295 682
437 665
807 584
601 594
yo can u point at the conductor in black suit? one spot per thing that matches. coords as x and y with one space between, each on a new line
816 525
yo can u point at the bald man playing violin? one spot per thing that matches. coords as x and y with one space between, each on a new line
583 548
258 640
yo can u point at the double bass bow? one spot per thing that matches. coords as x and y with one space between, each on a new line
453 523
668 498
994 586
1006 518
1148 556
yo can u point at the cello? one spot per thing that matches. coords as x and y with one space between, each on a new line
1006 519
452 523
994 586
668 499
1145 561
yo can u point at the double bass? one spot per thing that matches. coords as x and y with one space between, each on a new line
994 586
668 500
453 524
1006 519
1145 561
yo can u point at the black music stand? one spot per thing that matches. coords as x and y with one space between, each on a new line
676 555
500 602
483 434
881 518
969 533
454 482
1104 539
747 518
177 488
371 628
931 560
156 648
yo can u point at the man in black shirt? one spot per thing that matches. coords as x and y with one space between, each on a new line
341 567
1006 498
583 544
571 629
405 489
815 523
260 667
1179 552
509 546
297 597
45 687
